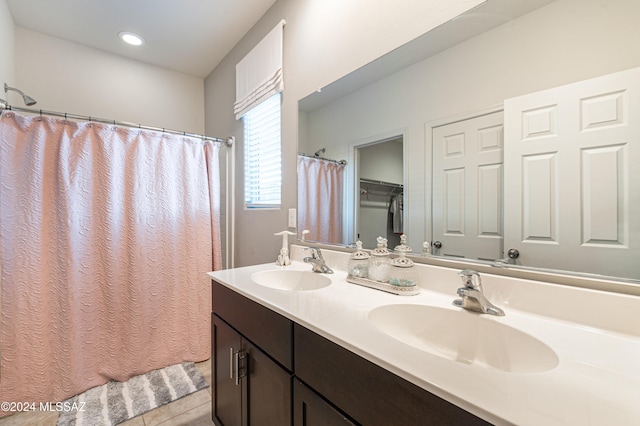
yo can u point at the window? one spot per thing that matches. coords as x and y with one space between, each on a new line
259 82
262 156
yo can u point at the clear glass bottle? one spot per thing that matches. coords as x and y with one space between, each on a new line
402 272
426 249
379 262
358 262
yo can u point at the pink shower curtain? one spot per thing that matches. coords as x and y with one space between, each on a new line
320 185
106 236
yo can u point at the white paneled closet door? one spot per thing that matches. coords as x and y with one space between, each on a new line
467 187
572 176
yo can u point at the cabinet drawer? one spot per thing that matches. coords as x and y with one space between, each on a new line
370 394
268 330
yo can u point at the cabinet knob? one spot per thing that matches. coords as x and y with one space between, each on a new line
437 244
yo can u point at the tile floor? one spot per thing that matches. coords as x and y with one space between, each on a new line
192 410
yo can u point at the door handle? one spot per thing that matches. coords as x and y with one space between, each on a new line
237 359
437 244
234 365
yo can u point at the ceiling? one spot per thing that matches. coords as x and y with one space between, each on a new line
189 36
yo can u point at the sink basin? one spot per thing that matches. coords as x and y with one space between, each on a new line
289 280
465 337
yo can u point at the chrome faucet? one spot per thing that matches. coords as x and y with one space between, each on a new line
471 295
317 261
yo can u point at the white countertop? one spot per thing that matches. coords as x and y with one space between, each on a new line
597 379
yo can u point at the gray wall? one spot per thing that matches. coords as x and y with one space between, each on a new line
323 40
7 53
69 77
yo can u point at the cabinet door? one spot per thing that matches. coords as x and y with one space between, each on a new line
227 392
309 409
268 389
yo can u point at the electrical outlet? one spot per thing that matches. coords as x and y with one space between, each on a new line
293 218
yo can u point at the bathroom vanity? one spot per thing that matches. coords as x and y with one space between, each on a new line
293 347
259 355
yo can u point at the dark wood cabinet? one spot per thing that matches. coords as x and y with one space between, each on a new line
369 394
265 328
228 395
268 370
269 390
249 386
309 409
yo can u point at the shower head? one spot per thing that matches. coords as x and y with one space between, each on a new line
28 100
319 152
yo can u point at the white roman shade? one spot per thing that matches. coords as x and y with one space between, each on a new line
259 74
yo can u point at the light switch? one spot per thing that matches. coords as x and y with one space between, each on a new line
293 218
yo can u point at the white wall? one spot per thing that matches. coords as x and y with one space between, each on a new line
7 55
566 41
382 161
323 40
68 77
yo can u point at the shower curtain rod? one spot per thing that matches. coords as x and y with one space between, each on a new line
341 162
227 141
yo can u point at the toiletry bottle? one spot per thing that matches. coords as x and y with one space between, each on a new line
379 262
426 249
402 272
358 262
283 257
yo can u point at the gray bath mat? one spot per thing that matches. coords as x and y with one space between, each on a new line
116 402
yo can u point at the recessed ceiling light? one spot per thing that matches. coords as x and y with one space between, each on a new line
131 38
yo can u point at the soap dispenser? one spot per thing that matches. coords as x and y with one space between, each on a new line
379 262
283 257
402 272
358 262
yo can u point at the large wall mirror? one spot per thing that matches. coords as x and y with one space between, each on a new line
457 87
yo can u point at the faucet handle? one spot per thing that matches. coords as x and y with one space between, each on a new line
315 252
470 279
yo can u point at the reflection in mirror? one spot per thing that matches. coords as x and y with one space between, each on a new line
320 197
477 63
467 187
380 185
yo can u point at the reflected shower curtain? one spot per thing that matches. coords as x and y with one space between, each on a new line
320 184
106 236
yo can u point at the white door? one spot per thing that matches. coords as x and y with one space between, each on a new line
572 176
467 187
